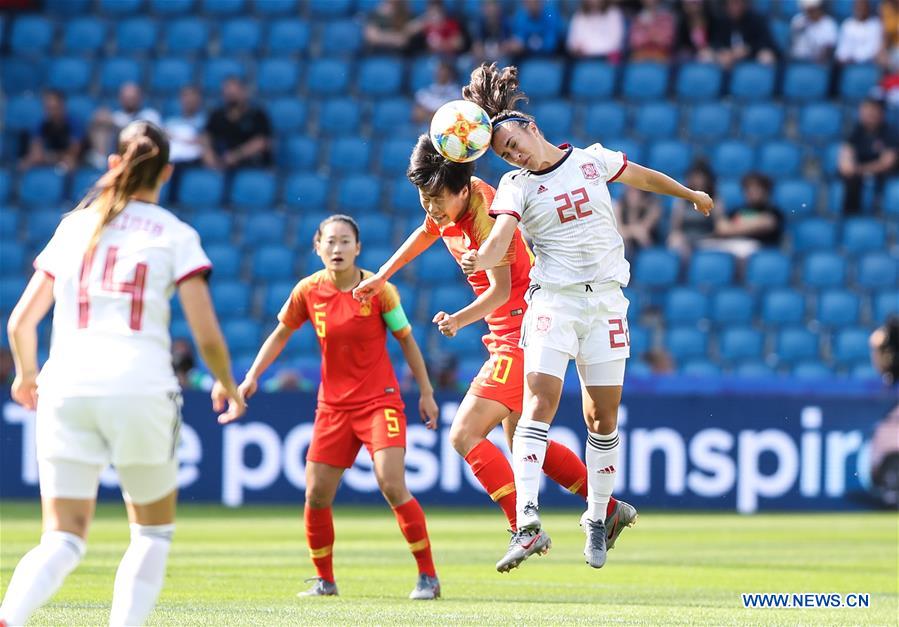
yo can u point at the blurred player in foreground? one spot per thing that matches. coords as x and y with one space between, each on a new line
576 307
359 399
457 204
108 393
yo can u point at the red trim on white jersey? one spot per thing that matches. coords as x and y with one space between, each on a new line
49 274
618 173
507 212
193 273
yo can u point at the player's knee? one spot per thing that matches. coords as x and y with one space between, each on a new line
541 407
316 498
602 420
393 489
71 522
462 439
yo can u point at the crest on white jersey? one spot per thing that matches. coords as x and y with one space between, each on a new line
590 171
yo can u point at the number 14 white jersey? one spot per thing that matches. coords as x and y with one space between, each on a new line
111 315
567 211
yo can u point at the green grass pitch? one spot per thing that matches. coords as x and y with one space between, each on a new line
244 567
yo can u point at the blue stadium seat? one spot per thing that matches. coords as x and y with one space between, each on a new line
221 7
297 153
201 189
339 116
822 270
885 305
379 77
865 372
699 368
820 123
275 7
11 288
878 270
226 260
119 7
730 192
698 82
644 81
23 113
67 8
433 266
753 369
670 156
349 155
31 35
243 336
796 197
780 159
375 231
811 371
762 121
5 186
40 227
709 122
740 344
555 119
805 82
85 35
213 226
12 258
541 78
136 35
231 299
274 263
274 297
40 188
20 75
604 120
394 157
82 181
114 72
288 115
169 75
240 36
592 80
329 9
422 72
263 229
862 235
288 36
404 197
857 80
711 269
305 192
171 7
850 347
752 82
782 306
449 298
686 343
309 223
838 308
814 234
641 341
830 160
685 306
389 113
327 77
187 35
656 267
733 159
276 76
835 197
253 189
215 71
655 120
891 198
358 193
69 74
796 344
9 223
732 306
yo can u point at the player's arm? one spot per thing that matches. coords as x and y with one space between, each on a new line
417 242
493 297
272 347
493 248
36 301
650 180
204 326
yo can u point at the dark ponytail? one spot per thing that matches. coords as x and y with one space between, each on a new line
496 92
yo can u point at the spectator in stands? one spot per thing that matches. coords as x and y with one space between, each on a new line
741 34
100 140
535 29
57 139
756 224
184 364
444 88
441 33
889 20
813 33
185 133
868 154
490 32
652 33
131 107
592 17
637 213
7 367
389 27
861 35
659 361
688 226
694 31
238 134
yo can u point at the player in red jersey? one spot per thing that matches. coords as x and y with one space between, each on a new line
358 401
457 205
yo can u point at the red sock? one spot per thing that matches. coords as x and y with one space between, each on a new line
494 472
320 537
411 519
565 468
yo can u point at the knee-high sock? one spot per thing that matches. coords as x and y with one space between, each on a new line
563 466
411 519
39 574
141 574
320 538
528 452
602 466
493 471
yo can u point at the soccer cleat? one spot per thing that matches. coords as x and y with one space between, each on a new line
624 515
321 588
595 545
524 543
426 589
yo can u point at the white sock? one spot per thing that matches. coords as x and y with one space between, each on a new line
602 464
39 575
528 451
139 579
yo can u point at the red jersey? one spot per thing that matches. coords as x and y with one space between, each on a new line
468 233
356 368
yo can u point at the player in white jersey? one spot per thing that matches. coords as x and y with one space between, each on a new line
577 310
108 393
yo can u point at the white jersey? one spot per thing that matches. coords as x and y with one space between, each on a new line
111 316
567 212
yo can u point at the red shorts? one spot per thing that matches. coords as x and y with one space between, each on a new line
337 434
501 377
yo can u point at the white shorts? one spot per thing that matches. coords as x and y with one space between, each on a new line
78 436
587 323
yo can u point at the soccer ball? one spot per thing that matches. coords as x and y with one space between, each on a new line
460 131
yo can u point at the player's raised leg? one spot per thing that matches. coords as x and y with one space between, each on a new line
322 481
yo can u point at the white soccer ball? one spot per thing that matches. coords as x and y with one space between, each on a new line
461 131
